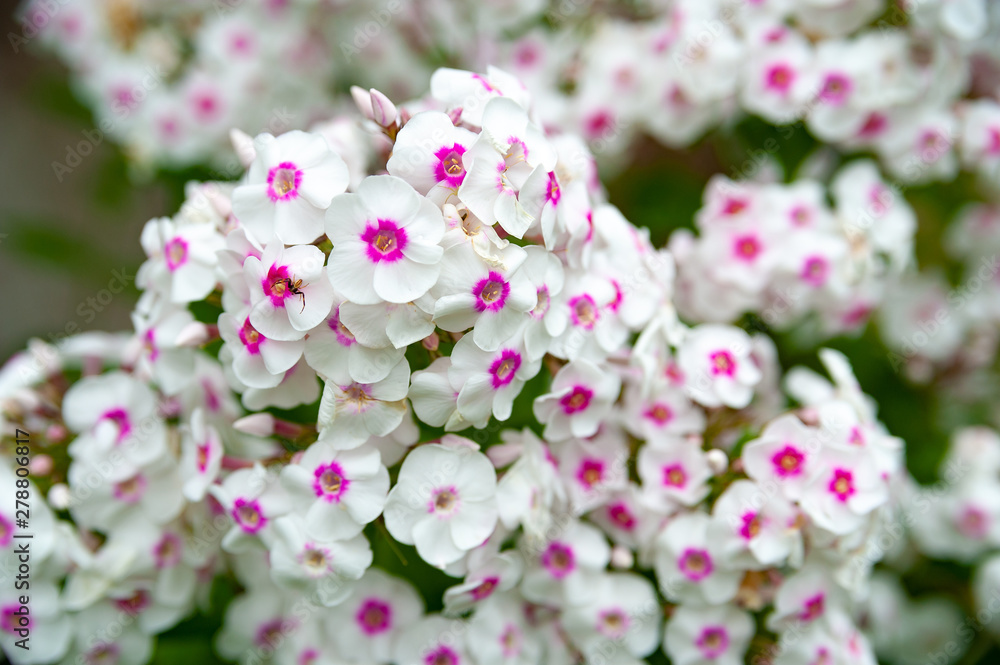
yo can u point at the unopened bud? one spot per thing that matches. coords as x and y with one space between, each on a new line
622 557
257 424
384 112
243 147
717 460
363 100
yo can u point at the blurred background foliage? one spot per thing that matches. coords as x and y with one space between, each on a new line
60 240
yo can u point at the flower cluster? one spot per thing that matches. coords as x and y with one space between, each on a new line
913 83
322 363
782 252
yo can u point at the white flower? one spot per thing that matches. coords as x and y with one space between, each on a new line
580 400
689 564
786 454
182 259
428 153
385 242
432 639
444 502
254 499
289 186
673 471
336 491
757 529
492 298
623 613
487 382
256 360
350 412
507 152
367 624
708 635
563 571
333 350
289 294
717 366
201 456
300 561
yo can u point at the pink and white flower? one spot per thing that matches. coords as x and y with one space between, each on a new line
579 401
444 502
385 242
289 294
289 185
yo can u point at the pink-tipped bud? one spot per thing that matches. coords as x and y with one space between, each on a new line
257 424
40 465
55 433
384 112
243 147
505 453
363 100
455 115
717 460
431 342
193 334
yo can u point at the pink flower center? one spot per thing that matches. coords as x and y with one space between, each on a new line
751 525
102 654
746 248
788 462
449 168
491 292
121 420
283 182
504 368
875 124
659 413
836 88
167 552
613 623
248 515
330 483
815 271
842 484
11 618
6 531
271 633
251 338
559 560
973 523
552 192
621 516
485 588
713 641
544 301
344 336
176 253
130 490
374 616
780 78
695 564
812 608
442 656
583 311
590 472
576 400
203 453
135 603
444 501
674 476
722 363
279 285
386 241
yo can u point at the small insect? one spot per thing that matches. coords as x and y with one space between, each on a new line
296 288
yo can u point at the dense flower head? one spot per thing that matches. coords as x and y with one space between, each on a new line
440 346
